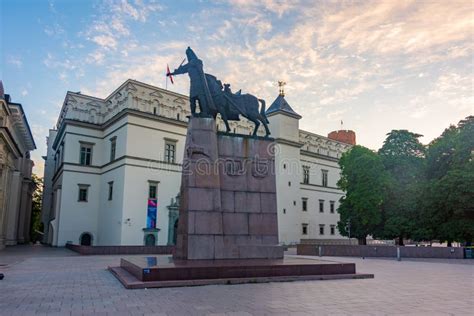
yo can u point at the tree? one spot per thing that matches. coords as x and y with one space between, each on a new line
364 181
449 204
402 155
36 208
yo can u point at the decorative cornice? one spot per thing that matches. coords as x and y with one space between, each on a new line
288 142
316 155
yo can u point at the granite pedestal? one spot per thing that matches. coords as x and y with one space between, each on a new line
228 196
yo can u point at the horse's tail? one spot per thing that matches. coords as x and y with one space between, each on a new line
262 111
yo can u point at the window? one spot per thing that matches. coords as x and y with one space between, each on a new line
321 206
111 190
289 183
284 211
304 229
333 229
113 148
331 206
86 154
304 202
170 151
83 192
152 189
324 175
306 174
321 229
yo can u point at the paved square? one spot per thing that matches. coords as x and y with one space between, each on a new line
58 282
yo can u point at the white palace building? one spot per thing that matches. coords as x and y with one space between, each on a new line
108 157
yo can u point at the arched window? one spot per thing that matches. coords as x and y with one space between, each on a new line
150 240
85 239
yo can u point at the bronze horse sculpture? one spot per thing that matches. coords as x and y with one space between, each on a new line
230 105
207 91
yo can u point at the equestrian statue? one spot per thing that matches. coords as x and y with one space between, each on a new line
214 98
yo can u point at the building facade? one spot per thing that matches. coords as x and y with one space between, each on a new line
16 185
110 161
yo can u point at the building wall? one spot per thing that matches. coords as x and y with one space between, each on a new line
77 217
47 202
16 185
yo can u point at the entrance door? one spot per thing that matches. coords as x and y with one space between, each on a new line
86 239
150 240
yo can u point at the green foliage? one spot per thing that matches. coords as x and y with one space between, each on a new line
411 191
364 181
403 157
36 208
449 193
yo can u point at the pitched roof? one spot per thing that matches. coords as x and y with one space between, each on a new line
280 105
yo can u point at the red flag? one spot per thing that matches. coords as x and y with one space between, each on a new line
168 72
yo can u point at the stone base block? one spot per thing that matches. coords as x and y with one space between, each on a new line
163 271
261 252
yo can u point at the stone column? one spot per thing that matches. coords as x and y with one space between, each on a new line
23 212
13 209
4 188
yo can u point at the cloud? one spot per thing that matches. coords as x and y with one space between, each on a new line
15 61
54 30
139 10
111 30
398 27
52 62
279 7
96 57
105 41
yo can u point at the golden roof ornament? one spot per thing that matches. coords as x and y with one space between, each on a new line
281 86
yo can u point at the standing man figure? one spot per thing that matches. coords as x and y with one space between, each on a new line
199 90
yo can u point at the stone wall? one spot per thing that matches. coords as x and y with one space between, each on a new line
380 251
121 250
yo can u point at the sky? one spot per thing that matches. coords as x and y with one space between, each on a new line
375 65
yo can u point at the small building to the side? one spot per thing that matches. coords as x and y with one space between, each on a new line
16 184
112 163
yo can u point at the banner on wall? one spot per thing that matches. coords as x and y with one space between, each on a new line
151 213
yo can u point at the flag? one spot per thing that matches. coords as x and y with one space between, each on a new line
168 72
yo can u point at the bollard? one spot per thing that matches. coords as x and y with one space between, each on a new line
398 254
320 251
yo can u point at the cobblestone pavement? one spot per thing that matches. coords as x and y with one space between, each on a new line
80 285
15 254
